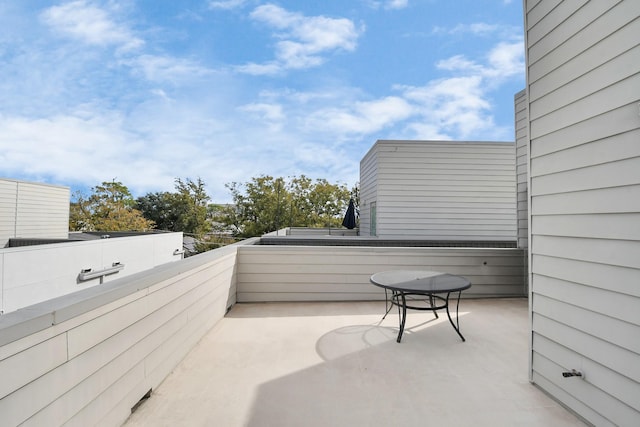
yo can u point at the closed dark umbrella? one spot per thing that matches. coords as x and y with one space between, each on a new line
349 220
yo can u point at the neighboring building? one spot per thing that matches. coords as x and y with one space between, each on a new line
439 190
32 214
36 273
583 86
33 210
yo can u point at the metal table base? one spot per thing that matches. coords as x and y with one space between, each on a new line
399 299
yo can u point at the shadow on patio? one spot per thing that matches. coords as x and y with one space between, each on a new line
337 364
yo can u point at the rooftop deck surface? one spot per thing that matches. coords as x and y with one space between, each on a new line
338 364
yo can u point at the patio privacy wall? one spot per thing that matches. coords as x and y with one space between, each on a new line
33 210
439 190
583 85
330 273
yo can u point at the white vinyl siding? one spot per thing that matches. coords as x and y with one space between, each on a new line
583 69
368 192
522 142
33 210
326 273
441 190
8 207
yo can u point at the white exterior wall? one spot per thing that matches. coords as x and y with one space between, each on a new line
368 191
32 210
31 274
522 173
583 84
440 190
522 146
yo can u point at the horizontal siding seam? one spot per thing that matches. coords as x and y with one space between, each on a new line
533 196
579 283
600 90
576 34
595 163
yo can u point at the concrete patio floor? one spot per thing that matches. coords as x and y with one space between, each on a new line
338 364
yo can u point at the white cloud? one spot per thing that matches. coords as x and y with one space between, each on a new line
226 4
266 69
388 4
454 107
459 63
504 60
476 29
396 4
364 117
303 41
166 68
507 59
90 24
269 114
67 147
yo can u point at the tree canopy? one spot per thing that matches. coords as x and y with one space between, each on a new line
185 210
261 205
110 207
266 204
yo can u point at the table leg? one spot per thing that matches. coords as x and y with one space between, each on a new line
431 301
387 304
456 325
403 317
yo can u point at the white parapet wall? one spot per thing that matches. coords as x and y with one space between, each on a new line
332 273
86 358
31 274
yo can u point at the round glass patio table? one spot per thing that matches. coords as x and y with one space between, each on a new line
435 286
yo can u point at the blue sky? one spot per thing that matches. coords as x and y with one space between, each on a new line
145 91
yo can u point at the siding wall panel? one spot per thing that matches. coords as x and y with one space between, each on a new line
33 210
276 273
591 105
619 173
617 279
583 78
560 14
617 147
368 190
522 142
607 125
551 53
561 87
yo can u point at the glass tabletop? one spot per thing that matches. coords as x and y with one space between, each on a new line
420 281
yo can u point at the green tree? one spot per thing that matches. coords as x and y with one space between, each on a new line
110 207
184 210
163 208
260 206
192 200
266 204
